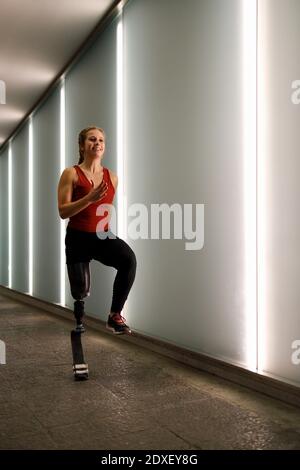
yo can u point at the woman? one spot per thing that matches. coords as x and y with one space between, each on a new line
81 190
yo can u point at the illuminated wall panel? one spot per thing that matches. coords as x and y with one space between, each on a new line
19 211
278 187
46 221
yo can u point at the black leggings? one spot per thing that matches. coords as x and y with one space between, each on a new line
85 246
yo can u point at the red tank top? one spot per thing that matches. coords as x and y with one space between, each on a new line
87 220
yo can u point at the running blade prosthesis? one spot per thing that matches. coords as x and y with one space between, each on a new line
80 368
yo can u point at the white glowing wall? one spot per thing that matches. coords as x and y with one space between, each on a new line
46 240
184 144
19 211
4 217
186 126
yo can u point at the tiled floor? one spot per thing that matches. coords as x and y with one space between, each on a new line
134 399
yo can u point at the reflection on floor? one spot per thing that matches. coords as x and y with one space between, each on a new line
134 399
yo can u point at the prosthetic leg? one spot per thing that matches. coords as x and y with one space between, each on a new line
79 277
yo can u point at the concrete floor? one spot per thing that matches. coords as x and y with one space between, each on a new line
135 399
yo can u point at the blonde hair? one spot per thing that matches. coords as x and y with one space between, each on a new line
81 139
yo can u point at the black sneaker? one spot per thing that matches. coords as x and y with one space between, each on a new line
116 323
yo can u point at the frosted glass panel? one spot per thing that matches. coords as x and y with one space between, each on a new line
279 165
4 217
91 100
46 222
20 239
183 128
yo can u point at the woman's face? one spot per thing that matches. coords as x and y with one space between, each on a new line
94 144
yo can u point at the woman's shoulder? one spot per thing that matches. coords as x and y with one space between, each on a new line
70 170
